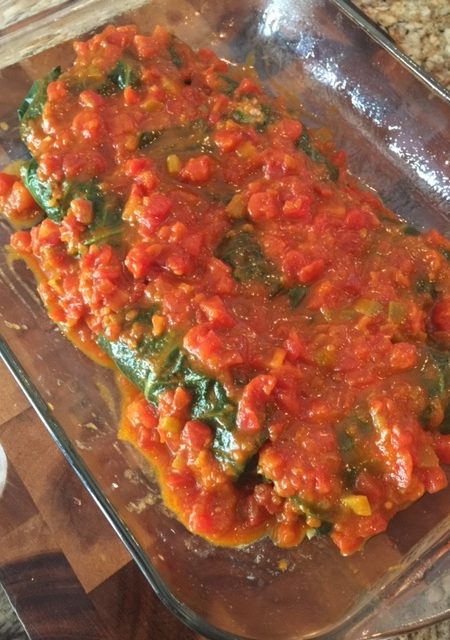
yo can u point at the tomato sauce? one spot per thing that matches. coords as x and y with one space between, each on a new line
285 336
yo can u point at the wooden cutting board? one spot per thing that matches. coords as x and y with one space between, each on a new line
65 570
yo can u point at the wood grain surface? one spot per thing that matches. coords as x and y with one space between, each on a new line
63 567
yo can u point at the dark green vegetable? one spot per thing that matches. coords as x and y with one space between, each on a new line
423 285
267 119
124 75
174 55
107 213
436 383
184 140
241 117
345 441
158 364
445 253
441 362
410 230
304 143
296 294
36 97
146 138
445 424
107 234
229 85
259 115
350 475
40 190
325 528
244 255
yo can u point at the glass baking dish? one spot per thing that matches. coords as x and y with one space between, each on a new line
394 123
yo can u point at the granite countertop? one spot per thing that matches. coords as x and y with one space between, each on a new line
421 28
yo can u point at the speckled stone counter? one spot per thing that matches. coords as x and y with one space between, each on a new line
421 28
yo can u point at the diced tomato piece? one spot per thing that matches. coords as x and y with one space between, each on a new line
350 537
82 210
311 271
216 312
48 233
297 208
88 124
156 208
433 478
441 445
228 140
202 341
130 96
196 435
83 164
403 356
20 198
56 91
6 183
357 219
91 99
135 166
148 180
295 347
141 258
219 107
197 170
21 241
179 263
251 408
289 128
141 414
213 512
264 205
248 86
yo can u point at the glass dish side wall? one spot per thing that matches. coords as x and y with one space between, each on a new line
396 135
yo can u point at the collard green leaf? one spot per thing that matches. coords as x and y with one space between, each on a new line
305 144
146 138
174 55
244 255
296 294
229 84
41 191
107 212
155 365
124 75
33 103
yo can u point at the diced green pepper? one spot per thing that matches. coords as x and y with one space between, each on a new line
397 312
368 307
